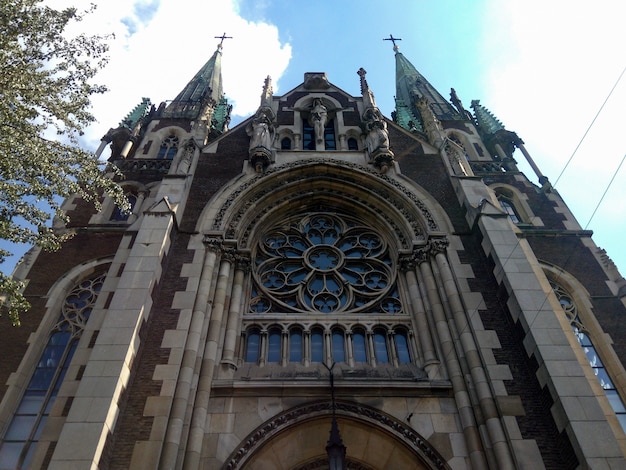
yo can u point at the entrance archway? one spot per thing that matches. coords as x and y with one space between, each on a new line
296 440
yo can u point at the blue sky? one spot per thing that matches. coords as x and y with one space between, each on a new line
544 68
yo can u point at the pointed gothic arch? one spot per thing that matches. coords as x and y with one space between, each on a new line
407 211
305 428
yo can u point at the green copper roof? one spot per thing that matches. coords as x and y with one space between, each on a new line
204 87
405 118
487 122
221 116
138 112
411 86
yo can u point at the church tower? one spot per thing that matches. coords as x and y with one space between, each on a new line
319 287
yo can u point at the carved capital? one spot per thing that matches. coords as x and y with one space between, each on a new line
407 263
229 254
243 262
439 245
213 243
421 255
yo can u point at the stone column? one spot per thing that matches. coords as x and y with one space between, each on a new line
431 363
464 404
328 343
263 349
306 342
284 347
234 315
199 320
199 415
348 343
370 347
481 385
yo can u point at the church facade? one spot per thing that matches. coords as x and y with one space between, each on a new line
319 287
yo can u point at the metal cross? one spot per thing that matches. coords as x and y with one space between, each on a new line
222 37
392 39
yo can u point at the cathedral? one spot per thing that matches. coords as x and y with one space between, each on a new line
319 287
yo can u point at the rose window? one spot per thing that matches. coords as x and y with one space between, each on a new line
324 263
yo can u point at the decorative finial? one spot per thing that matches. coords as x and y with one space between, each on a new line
393 40
266 96
222 37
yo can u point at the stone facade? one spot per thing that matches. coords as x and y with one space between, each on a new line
347 244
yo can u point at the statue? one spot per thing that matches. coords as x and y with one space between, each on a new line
261 132
377 137
319 116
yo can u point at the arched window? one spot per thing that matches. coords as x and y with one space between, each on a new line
380 346
285 143
317 345
508 207
329 136
338 345
570 309
295 345
253 345
353 144
273 346
308 136
168 148
358 346
32 413
402 347
118 215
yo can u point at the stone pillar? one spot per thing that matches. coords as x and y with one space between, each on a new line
284 347
370 347
431 363
199 415
263 349
328 343
234 315
348 343
306 341
199 320
490 414
464 404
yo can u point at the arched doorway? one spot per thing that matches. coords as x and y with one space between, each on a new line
297 438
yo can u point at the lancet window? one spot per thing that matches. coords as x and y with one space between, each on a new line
582 335
32 413
382 345
168 148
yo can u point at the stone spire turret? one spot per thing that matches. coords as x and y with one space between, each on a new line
203 97
411 86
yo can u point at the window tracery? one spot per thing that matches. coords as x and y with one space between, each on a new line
324 263
571 311
168 148
32 413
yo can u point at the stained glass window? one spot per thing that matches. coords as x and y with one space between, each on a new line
324 263
32 413
569 307
168 148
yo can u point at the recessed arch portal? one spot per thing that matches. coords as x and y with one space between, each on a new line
296 439
401 207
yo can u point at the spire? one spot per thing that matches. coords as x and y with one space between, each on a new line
204 89
411 86
487 122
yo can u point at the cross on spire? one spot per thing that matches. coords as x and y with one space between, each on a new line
393 40
222 37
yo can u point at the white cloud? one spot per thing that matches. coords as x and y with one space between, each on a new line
167 43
